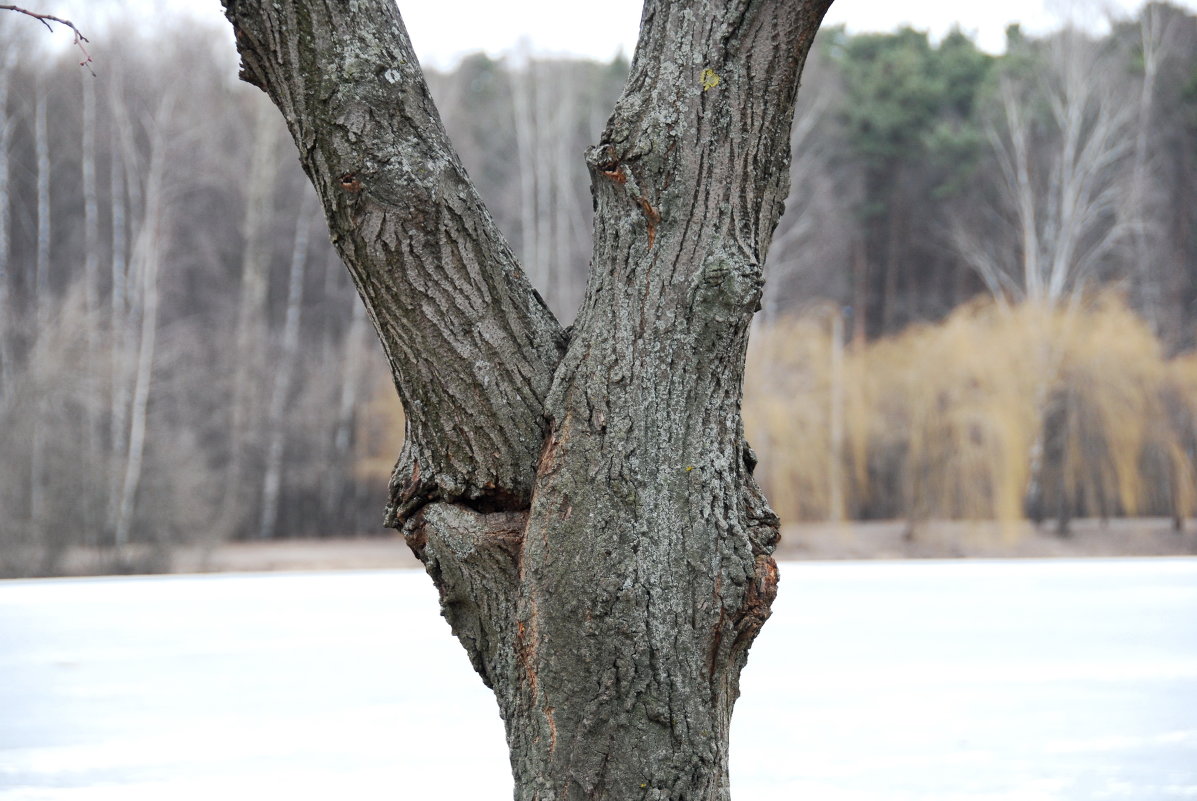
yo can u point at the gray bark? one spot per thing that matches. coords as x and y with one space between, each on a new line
588 514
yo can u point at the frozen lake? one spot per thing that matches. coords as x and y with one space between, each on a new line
970 681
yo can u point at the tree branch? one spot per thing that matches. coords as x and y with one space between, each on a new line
472 347
46 19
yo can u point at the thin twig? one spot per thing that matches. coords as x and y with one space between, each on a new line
46 19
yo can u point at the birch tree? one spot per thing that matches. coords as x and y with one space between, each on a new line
1059 138
41 300
288 352
6 124
246 398
1144 210
147 255
584 502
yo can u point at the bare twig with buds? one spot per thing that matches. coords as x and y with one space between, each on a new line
46 19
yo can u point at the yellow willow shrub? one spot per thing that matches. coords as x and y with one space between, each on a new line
968 399
787 415
1106 399
378 434
973 417
1177 433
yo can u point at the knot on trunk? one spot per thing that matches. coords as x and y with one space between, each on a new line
473 559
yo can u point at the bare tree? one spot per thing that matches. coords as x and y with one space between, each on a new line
551 220
147 256
585 504
284 370
804 255
1142 210
47 19
41 300
247 402
1060 138
6 125
1060 177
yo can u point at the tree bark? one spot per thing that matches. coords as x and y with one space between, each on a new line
587 512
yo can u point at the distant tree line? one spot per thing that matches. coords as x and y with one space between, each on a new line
183 359
927 173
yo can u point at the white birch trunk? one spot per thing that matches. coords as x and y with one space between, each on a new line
352 370
255 271
91 207
542 166
5 310
835 475
526 146
285 368
41 144
91 260
146 258
118 397
1138 211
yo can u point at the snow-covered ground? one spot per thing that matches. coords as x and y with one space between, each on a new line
970 681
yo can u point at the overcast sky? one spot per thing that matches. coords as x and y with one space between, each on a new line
444 30
441 31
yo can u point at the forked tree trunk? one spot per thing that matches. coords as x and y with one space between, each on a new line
585 506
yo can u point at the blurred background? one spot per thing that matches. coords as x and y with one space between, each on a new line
981 309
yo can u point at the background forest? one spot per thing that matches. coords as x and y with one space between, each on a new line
982 298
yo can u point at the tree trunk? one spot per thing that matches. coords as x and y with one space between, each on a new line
41 299
147 257
246 402
585 507
284 369
91 266
6 127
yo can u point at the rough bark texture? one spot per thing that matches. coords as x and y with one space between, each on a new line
471 345
587 513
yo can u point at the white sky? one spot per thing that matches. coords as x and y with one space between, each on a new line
444 30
